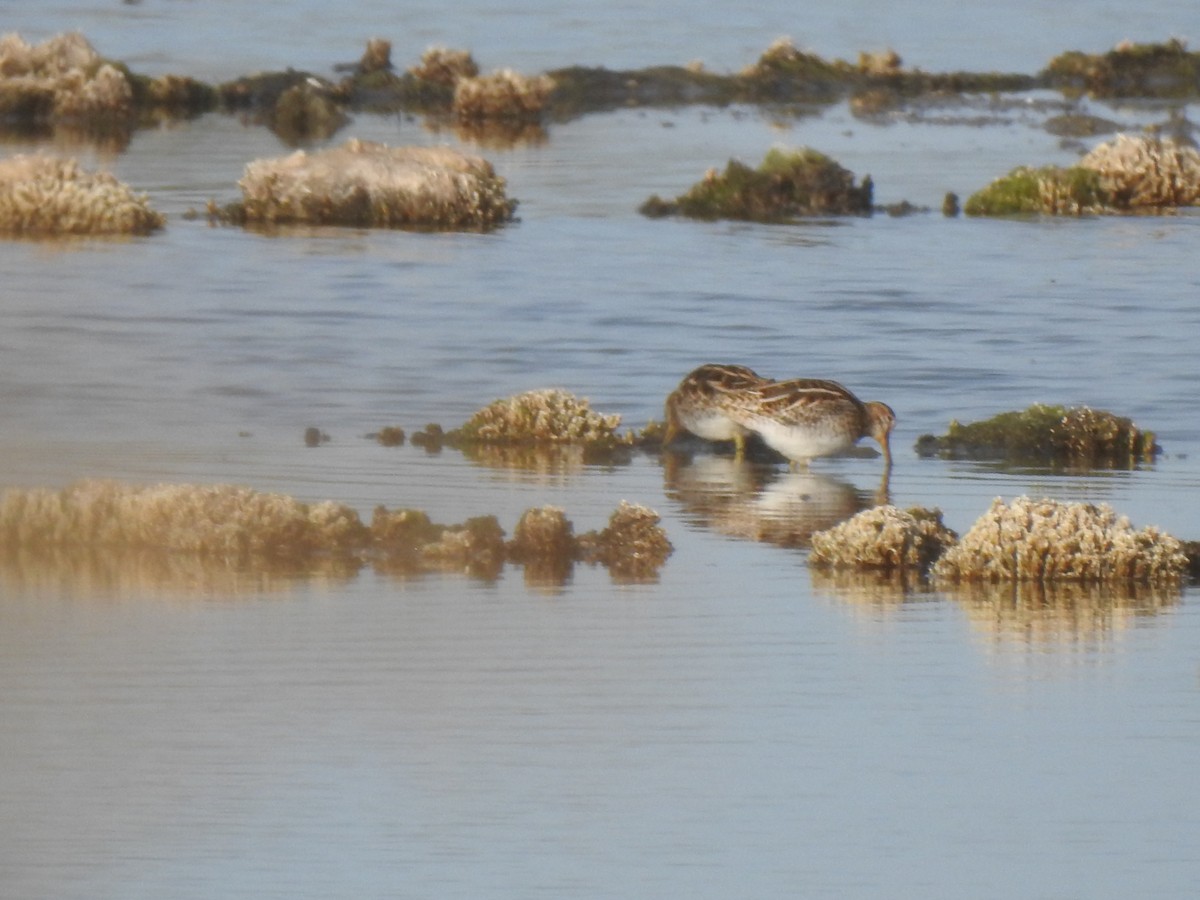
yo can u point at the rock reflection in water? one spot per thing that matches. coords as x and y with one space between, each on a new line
132 573
1064 614
742 499
876 589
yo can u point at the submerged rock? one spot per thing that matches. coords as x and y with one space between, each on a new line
883 539
366 184
1079 436
786 186
1045 540
43 196
306 111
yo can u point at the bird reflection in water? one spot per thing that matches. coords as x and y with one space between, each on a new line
742 498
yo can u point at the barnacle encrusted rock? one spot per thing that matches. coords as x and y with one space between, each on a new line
445 66
44 196
1046 540
367 184
63 77
1078 436
787 185
227 525
543 532
218 520
504 94
884 538
1140 172
538 417
633 546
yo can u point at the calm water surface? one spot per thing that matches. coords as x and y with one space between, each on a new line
740 728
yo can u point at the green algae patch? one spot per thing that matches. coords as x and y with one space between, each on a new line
787 185
1129 70
1051 435
1050 190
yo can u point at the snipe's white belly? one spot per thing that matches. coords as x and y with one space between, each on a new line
712 426
801 443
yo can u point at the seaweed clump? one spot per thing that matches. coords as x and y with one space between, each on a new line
1051 190
884 539
43 196
1129 70
1128 174
1054 435
366 184
784 72
786 186
1045 540
547 416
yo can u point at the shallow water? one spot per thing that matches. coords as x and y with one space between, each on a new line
742 726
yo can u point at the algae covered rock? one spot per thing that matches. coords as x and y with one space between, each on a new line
1129 70
44 196
1078 436
788 185
784 72
883 539
1128 174
1049 190
1046 540
366 184
548 416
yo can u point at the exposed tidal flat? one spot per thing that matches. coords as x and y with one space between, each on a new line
741 725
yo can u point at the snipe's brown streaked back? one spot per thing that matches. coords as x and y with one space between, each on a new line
702 403
804 418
